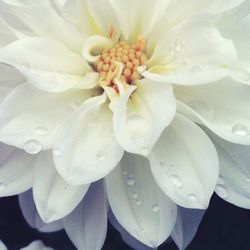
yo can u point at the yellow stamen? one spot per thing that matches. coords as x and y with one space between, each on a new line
130 56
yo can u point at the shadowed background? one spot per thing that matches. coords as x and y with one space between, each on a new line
224 227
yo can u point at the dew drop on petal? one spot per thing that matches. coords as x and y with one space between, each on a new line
137 126
130 180
193 197
201 107
2 186
100 155
73 105
145 150
196 69
135 195
156 208
176 181
141 69
163 164
41 131
247 179
240 130
124 173
138 203
57 152
221 180
221 191
32 147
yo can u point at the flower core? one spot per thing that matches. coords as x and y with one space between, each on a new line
130 57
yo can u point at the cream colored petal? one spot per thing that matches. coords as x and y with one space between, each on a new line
137 202
221 106
29 117
185 165
142 114
47 64
40 17
85 148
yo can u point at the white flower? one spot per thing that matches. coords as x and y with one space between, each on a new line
101 83
35 245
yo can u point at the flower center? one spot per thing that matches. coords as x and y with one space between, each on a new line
129 56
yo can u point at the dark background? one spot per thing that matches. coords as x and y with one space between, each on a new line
224 227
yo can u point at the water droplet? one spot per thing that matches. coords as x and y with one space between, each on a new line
163 164
201 107
74 105
125 173
137 126
221 180
138 203
135 195
32 147
145 150
100 155
171 52
196 69
240 130
141 69
171 166
40 120
178 46
156 208
193 197
2 186
130 181
57 152
41 131
176 181
221 191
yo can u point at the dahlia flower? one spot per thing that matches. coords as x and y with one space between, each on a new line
140 106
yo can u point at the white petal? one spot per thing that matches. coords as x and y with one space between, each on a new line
36 245
184 163
56 199
31 215
221 106
88 149
16 168
36 16
180 11
233 185
129 239
137 17
188 221
93 43
239 33
2 246
142 115
86 226
29 117
191 53
7 36
138 203
104 18
47 64
77 13
9 79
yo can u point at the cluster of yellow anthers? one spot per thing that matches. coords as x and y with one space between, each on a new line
130 56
